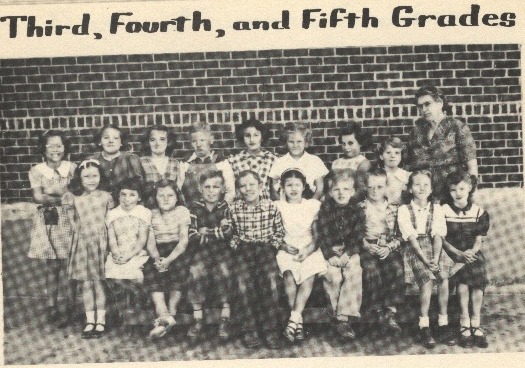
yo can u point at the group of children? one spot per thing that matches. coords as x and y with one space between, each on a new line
240 227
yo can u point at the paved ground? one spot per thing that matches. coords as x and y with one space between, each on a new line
37 343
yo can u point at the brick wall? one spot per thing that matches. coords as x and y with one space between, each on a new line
321 86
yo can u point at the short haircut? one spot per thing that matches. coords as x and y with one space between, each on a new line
379 172
244 174
394 142
290 128
352 127
342 175
166 183
200 127
211 174
134 183
97 137
436 93
43 138
456 177
144 143
252 123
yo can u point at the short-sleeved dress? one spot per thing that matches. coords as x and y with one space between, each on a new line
412 221
311 166
261 163
127 226
126 165
50 241
463 226
166 229
90 237
297 220
152 175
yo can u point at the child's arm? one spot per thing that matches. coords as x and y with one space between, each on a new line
319 188
151 246
277 237
419 253
47 196
140 244
437 243
179 249
229 180
224 231
452 249
112 241
194 237
68 201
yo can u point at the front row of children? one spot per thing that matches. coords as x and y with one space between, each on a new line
243 248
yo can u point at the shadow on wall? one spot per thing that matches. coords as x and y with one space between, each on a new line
503 247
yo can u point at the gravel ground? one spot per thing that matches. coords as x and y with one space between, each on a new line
38 343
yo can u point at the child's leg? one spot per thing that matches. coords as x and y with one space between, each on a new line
332 281
303 293
100 303
175 297
159 301
477 301
425 292
88 298
443 295
351 294
52 283
464 299
290 288
267 290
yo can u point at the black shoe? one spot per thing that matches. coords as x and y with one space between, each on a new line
97 334
479 341
53 315
251 340
344 330
446 336
389 322
299 333
88 334
224 329
272 340
465 341
426 338
194 333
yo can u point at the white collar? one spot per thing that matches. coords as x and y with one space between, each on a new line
194 156
48 172
418 207
296 159
400 174
139 211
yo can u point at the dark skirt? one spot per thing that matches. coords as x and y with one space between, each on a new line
473 274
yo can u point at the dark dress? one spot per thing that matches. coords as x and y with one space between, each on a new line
463 226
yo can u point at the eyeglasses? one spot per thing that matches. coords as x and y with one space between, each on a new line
57 146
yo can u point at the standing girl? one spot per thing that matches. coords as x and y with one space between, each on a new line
88 205
253 134
390 157
298 137
467 223
51 232
298 258
128 229
423 227
157 165
167 270
352 139
117 165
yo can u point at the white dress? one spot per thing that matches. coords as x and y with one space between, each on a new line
297 220
126 225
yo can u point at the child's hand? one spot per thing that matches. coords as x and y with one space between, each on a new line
204 239
224 222
302 255
334 261
470 256
164 264
370 247
432 266
344 259
383 252
54 190
289 249
339 249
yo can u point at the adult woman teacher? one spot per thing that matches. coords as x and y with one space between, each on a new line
439 143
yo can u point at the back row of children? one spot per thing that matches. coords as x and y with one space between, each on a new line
232 236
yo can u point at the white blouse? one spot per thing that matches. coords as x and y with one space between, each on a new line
438 226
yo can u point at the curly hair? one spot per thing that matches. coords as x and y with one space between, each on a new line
437 94
43 138
456 177
393 142
252 123
144 141
75 185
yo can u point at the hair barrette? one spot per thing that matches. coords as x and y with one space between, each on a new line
84 163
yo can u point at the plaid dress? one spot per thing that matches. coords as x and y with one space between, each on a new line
415 270
50 241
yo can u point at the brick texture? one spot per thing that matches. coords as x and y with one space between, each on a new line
323 87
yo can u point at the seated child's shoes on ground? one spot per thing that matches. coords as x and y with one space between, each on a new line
344 330
251 340
479 340
299 333
162 326
447 336
426 338
87 333
272 340
194 333
389 322
465 341
224 329
53 315
100 329
290 331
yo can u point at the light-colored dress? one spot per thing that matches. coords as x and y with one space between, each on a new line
50 241
396 184
90 237
127 227
297 220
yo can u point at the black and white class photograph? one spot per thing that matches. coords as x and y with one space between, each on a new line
303 202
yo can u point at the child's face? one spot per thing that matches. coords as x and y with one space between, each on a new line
250 189
391 157
110 141
376 188
421 187
201 143
128 199
166 199
351 146
54 149
90 178
296 144
460 193
158 142
252 139
212 190
293 189
342 191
